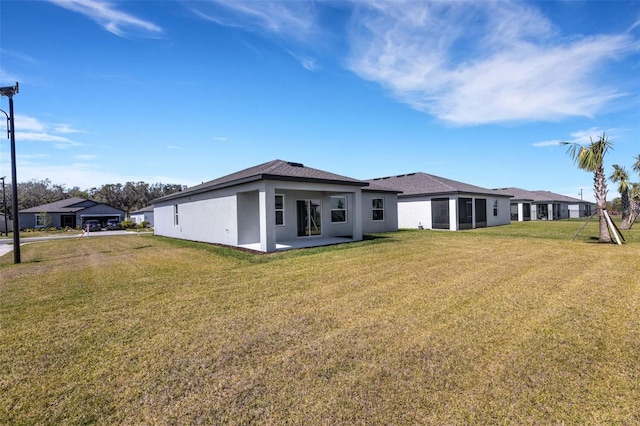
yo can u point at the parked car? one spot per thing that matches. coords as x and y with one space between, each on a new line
93 225
113 224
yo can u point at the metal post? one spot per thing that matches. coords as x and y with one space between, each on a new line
9 92
4 208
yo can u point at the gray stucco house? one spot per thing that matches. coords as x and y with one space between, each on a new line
433 202
143 215
545 205
72 212
275 206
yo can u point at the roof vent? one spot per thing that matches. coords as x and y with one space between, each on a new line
292 164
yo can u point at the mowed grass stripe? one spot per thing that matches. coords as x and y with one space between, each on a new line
417 327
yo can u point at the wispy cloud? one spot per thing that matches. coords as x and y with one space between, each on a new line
172 147
31 129
465 63
110 18
291 19
308 62
582 137
220 139
512 67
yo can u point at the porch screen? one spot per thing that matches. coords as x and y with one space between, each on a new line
440 213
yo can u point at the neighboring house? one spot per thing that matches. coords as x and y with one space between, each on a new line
545 205
71 213
5 227
143 215
433 202
277 205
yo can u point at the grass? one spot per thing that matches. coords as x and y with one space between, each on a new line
514 324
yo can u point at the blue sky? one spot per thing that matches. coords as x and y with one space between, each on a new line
187 91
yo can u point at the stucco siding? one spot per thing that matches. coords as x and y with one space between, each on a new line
389 223
201 217
504 212
245 214
414 212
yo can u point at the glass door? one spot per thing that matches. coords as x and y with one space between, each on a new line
309 217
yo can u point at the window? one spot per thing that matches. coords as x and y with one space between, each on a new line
495 207
43 220
175 214
279 209
338 209
378 208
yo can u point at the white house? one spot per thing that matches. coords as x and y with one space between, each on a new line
433 202
143 215
277 205
545 205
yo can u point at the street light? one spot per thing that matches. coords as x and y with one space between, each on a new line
9 91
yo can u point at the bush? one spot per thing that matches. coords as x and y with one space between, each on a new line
127 224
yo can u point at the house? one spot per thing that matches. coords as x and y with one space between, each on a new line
5 226
71 213
545 205
433 202
277 205
143 215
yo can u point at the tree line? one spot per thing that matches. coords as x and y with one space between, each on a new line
129 197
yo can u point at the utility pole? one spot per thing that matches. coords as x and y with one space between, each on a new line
4 208
9 92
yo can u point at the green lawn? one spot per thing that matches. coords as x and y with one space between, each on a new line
508 325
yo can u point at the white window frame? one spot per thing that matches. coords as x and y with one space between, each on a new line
176 220
495 208
344 209
38 223
279 210
376 209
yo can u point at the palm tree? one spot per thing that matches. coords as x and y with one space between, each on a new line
621 177
591 159
635 194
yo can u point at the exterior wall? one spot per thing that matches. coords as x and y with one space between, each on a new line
579 210
414 212
101 212
27 220
245 214
138 218
390 221
208 217
294 191
5 226
504 212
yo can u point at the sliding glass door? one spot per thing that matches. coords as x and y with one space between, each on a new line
309 217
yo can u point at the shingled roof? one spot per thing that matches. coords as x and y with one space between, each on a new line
418 184
538 196
273 170
70 205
